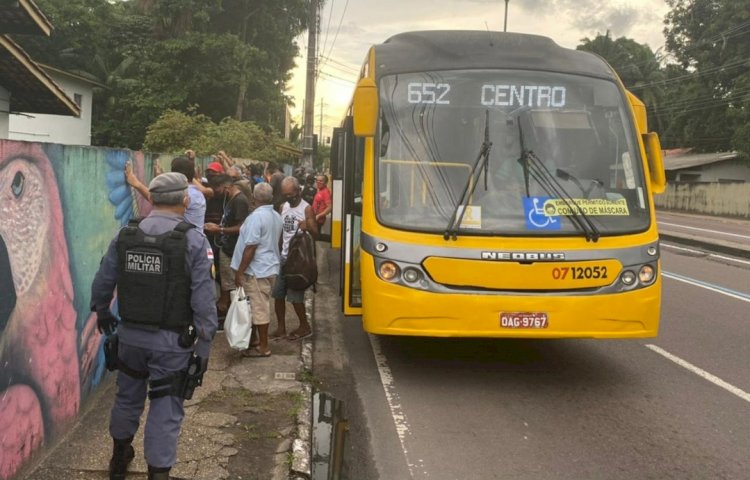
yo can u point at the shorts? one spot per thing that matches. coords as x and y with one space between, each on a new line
259 292
226 274
280 291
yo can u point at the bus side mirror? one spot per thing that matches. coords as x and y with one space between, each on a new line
365 108
655 162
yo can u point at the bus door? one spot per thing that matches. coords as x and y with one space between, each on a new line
348 166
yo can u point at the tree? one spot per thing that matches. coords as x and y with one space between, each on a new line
710 40
177 131
226 57
637 66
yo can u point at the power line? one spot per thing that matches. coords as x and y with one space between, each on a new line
342 64
338 28
328 27
334 77
709 71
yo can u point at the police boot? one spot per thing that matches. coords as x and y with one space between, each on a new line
122 455
155 473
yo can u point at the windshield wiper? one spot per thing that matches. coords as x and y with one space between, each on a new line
553 188
480 164
536 169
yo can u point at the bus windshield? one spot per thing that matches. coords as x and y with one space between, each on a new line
562 148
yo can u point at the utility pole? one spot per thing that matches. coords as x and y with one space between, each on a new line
308 125
505 24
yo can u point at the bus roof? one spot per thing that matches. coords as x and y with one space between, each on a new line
467 49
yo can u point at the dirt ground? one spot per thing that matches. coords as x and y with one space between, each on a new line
264 427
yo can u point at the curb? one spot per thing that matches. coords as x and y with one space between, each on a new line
301 465
712 246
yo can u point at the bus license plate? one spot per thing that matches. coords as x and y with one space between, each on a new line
523 320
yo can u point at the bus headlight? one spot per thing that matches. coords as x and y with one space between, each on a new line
411 275
389 270
646 274
627 277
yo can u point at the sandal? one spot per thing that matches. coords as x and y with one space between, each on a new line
253 353
296 336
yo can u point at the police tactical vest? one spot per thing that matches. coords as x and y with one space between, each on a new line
153 283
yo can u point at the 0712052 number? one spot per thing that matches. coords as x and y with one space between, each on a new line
579 273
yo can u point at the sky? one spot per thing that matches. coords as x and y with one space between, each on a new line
350 27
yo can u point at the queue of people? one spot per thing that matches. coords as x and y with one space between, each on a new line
236 221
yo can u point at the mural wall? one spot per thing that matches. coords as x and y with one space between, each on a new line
60 206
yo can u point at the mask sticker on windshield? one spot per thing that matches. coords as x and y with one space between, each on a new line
590 207
472 216
536 217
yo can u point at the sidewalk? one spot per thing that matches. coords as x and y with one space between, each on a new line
250 420
736 247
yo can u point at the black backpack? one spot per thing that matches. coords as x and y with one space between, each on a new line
301 269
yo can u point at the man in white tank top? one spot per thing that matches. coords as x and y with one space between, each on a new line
296 213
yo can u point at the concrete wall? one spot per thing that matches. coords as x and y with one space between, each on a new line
707 198
63 129
730 170
60 206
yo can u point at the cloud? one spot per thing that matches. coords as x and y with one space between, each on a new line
565 21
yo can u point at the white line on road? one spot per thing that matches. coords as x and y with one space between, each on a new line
704 230
708 286
397 412
701 373
703 252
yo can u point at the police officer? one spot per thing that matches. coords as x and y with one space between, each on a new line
162 270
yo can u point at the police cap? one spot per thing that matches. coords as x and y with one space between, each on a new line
168 182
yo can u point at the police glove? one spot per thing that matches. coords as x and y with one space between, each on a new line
106 323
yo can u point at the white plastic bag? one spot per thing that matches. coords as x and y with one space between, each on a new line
238 324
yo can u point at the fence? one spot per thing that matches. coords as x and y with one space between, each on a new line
722 199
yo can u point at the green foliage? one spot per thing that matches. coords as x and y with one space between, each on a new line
230 58
698 94
637 66
710 42
176 132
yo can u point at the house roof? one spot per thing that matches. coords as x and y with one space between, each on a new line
52 70
681 158
23 16
32 90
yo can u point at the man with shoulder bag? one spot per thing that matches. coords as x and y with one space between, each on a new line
296 215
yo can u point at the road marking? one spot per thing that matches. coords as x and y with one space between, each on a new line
397 411
707 254
704 230
701 373
708 286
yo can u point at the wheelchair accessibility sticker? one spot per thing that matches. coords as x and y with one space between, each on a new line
536 218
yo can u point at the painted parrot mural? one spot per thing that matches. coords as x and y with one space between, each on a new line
46 362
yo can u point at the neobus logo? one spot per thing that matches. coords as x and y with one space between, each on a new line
522 256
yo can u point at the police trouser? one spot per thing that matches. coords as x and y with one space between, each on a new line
165 412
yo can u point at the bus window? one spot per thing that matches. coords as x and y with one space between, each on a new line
578 127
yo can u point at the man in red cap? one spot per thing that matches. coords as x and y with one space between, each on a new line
216 167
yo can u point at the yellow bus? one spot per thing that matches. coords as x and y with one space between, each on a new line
496 185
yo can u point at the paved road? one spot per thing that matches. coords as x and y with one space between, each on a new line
672 407
709 228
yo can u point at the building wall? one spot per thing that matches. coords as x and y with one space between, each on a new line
4 109
730 170
60 206
707 198
67 130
